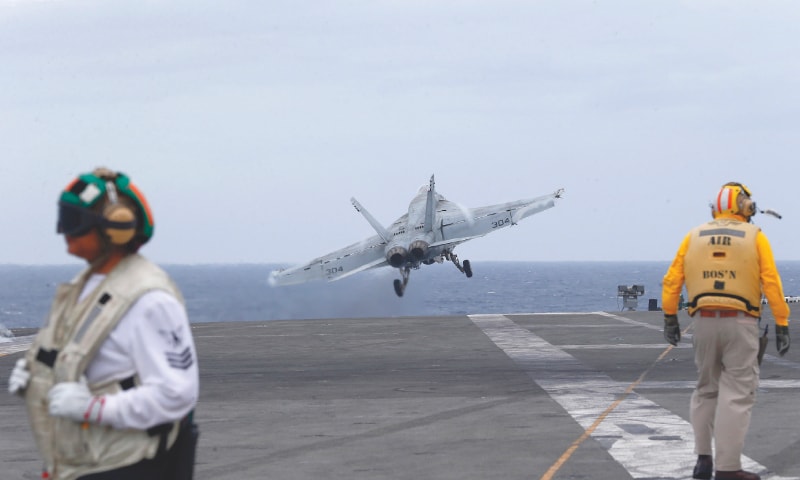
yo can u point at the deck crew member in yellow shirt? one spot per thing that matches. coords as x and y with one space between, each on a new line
725 264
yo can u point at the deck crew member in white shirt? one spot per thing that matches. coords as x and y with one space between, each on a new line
111 380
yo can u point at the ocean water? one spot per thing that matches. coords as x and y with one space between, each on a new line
222 293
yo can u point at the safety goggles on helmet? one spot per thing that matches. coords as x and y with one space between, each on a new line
75 221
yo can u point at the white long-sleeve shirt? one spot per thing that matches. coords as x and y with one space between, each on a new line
154 341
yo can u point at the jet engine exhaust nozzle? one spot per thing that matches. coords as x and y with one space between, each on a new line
396 256
418 249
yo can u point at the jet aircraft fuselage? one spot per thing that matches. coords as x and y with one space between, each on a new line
427 233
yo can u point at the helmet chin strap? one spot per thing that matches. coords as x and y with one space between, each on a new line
103 258
107 249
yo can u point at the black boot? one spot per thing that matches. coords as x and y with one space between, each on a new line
703 467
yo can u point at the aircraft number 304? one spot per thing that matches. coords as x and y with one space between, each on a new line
501 223
334 270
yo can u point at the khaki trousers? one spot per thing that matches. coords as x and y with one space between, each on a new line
725 354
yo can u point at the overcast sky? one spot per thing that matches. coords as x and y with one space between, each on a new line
249 125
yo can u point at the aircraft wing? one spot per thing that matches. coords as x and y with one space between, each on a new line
336 265
459 225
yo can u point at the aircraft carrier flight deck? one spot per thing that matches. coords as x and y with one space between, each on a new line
597 396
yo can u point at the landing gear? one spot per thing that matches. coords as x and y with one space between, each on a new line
400 285
466 269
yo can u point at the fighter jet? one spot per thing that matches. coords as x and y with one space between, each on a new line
427 234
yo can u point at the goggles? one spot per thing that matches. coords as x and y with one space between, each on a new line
76 221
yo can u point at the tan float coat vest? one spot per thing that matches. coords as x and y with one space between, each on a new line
62 351
721 267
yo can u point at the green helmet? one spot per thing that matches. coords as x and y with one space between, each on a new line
92 200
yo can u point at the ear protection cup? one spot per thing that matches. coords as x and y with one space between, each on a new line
119 222
747 206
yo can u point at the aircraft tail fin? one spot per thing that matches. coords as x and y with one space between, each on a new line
430 207
382 232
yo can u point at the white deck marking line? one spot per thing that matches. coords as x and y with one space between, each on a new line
541 326
646 439
630 321
624 346
17 344
689 385
688 336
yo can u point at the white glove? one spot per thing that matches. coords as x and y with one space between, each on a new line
19 378
73 400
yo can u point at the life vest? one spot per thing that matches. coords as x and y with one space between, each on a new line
721 267
62 351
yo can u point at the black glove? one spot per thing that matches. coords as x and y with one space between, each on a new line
672 330
782 339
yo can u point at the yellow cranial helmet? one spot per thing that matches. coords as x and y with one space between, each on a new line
733 199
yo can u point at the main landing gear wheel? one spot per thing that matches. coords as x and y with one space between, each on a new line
466 269
400 285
